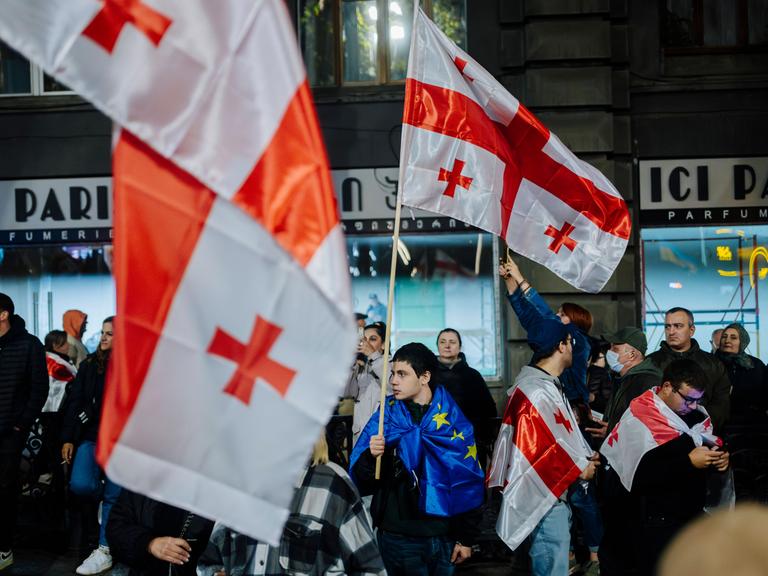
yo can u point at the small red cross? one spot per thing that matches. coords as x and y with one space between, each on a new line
454 178
562 420
461 64
107 25
561 237
252 360
613 437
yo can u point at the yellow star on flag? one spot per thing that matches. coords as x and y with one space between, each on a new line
457 435
471 451
440 419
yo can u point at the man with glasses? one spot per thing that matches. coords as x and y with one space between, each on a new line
679 344
659 456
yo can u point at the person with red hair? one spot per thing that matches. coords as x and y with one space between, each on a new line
530 307
75 322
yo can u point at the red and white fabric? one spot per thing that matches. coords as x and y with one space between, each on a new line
471 151
60 373
647 424
538 454
234 326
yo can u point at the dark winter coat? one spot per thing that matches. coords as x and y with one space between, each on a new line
667 493
637 380
135 520
82 405
600 384
717 393
468 388
23 378
749 392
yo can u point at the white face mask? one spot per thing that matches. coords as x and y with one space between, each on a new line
612 358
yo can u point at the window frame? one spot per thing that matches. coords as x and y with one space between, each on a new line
36 85
383 54
742 44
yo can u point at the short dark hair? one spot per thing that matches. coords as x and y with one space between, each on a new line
444 330
539 355
420 358
677 309
55 338
110 319
380 327
6 304
685 371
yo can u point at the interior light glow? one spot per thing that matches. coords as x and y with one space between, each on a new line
373 13
728 273
394 7
675 285
397 32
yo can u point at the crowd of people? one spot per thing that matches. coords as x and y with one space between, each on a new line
604 454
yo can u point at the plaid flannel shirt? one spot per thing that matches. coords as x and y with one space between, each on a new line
328 532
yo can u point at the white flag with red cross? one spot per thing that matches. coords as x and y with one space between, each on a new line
471 151
234 324
647 424
538 454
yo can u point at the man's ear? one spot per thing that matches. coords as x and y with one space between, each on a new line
426 377
4 316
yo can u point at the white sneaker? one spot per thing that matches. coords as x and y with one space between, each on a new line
6 559
99 561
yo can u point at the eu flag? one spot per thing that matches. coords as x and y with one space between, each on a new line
440 453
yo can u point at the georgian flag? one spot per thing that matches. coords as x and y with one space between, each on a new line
234 325
471 151
538 454
647 424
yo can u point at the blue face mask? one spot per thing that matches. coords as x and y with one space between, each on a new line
612 359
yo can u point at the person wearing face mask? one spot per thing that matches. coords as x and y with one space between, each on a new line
634 372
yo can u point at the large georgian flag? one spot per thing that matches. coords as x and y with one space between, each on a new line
470 150
647 424
234 325
538 454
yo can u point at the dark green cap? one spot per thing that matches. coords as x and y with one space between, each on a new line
629 335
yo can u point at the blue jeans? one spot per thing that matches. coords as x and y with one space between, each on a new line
86 481
585 509
550 541
416 555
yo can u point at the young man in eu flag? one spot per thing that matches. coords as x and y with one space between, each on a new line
426 504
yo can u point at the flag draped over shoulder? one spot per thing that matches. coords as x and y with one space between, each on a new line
538 454
440 453
228 247
647 424
471 151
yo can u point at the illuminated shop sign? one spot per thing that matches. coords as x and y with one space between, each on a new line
704 191
367 199
79 210
56 211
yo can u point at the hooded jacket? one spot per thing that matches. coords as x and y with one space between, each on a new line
637 380
717 391
73 322
23 378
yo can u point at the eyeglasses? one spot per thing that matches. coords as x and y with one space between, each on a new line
687 399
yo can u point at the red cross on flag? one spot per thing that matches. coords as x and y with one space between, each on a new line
471 151
234 322
647 424
538 454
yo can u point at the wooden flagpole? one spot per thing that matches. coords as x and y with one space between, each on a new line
393 264
390 302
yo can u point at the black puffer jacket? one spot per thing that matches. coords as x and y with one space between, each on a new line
717 394
23 378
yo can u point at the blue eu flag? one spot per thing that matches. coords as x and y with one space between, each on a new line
440 453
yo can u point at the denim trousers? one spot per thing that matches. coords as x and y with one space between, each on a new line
416 555
587 514
550 542
86 481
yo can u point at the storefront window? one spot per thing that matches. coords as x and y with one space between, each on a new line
15 76
719 273
44 282
443 280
